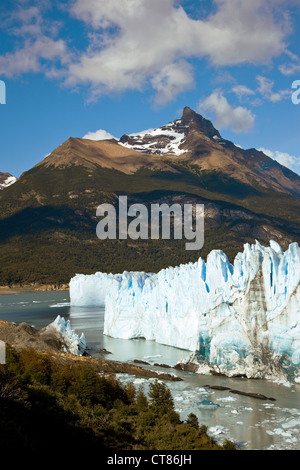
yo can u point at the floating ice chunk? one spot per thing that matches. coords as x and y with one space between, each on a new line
63 304
217 430
292 423
226 399
278 432
205 404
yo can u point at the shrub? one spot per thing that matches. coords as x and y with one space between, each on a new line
228 445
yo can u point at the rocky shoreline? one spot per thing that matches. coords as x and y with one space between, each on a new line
49 341
17 289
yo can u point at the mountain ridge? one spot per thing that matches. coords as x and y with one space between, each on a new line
200 144
48 217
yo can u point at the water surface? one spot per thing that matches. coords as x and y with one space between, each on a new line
250 423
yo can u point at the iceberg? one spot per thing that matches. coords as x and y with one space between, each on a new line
240 318
73 343
205 404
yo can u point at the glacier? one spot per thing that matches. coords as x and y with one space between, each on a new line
73 343
238 319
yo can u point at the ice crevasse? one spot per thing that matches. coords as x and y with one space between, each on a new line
237 319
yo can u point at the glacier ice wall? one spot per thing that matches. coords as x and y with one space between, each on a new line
90 290
239 319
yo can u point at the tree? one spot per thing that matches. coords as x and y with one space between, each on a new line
160 397
141 400
130 392
193 421
228 445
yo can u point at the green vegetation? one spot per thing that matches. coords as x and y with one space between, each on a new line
48 220
47 401
53 257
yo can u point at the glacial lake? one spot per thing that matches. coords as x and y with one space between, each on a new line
251 423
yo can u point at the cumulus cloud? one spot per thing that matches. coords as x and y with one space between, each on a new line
142 42
171 80
289 161
265 88
29 58
242 90
239 119
135 44
100 134
292 67
39 42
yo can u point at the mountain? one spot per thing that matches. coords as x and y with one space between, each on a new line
194 139
6 179
48 217
104 154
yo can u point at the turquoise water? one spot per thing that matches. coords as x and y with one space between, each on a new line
251 423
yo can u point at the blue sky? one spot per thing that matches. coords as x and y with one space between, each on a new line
77 66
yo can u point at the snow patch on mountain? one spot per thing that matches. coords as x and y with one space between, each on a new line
8 182
164 140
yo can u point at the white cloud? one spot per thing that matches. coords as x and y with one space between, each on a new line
292 67
171 80
239 119
289 161
40 45
265 88
242 90
100 134
135 44
28 59
142 42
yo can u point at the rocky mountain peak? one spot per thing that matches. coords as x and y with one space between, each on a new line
6 179
168 139
188 115
197 122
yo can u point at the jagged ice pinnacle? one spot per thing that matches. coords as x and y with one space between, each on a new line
236 319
